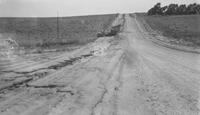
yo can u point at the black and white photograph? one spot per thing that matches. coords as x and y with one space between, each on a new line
99 57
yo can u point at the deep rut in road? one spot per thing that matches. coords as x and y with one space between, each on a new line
38 74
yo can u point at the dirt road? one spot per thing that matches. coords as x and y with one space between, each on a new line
122 75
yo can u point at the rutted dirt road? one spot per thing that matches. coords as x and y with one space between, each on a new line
122 75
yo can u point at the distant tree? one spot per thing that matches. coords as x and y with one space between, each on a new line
164 9
182 9
150 12
193 9
198 8
156 10
172 9
175 9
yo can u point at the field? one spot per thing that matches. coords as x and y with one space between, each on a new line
183 29
50 32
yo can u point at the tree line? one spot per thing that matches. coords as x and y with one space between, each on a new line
175 9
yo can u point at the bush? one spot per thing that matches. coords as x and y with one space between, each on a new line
112 32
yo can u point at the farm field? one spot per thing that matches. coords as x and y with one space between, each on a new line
53 32
182 29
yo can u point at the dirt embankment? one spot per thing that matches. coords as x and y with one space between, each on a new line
158 38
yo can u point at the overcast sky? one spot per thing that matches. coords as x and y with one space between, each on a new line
43 8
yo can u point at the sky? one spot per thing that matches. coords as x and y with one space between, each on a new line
49 8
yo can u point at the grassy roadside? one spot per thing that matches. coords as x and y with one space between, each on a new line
33 33
182 30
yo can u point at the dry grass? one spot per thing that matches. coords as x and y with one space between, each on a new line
42 32
184 28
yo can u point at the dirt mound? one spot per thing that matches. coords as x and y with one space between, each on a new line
7 46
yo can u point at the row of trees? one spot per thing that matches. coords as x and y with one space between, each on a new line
175 9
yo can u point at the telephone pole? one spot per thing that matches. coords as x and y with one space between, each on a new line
58 31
